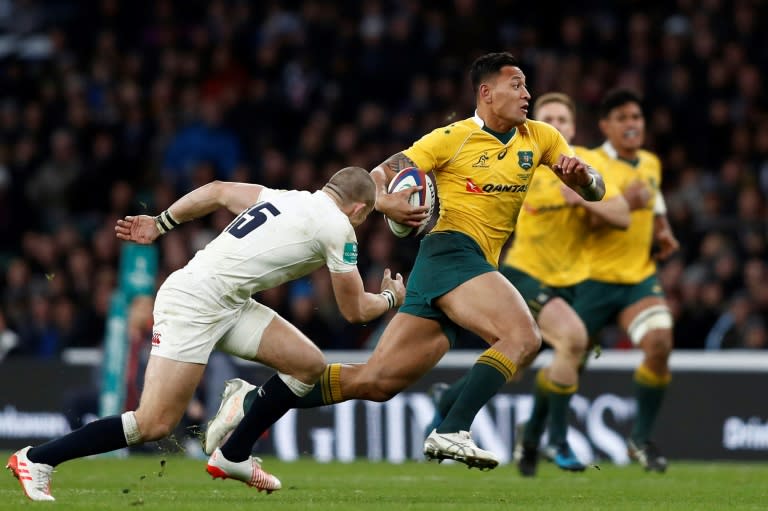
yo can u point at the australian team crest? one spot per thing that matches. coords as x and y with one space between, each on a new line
525 159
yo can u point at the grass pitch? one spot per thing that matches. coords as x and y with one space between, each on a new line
170 483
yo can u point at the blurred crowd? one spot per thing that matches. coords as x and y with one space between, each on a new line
115 107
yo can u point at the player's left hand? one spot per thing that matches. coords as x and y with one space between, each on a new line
667 243
396 285
140 229
572 171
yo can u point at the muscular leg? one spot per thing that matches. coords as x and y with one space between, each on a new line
409 347
562 329
299 363
652 376
168 388
499 315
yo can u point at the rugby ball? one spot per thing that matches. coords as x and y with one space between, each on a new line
427 196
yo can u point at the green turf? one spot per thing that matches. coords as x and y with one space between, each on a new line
140 482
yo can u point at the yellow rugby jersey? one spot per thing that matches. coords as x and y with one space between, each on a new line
624 257
481 182
551 235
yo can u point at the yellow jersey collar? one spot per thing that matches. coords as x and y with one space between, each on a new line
480 123
610 150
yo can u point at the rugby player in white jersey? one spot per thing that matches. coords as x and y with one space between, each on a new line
277 236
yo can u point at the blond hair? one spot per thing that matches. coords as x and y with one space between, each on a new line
554 97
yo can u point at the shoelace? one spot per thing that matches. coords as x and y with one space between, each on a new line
259 478
41 477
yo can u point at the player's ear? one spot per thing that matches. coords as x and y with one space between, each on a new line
603 125
484 93
359 209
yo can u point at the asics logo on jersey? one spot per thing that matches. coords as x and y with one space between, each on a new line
493 187
502 154
482 161
155 338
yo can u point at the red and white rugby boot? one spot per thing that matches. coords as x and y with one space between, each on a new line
248 471
35 478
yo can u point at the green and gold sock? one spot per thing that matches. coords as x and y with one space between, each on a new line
559 399
450 395
535 425
649 392
491 370
327 391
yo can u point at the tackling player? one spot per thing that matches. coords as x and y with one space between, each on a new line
483 166
277 236
553 221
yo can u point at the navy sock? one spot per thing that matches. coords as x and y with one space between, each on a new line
271 402
103 435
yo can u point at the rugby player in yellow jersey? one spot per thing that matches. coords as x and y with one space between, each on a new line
554 221
483 166
623 283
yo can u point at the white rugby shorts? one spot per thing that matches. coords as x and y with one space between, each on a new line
188 329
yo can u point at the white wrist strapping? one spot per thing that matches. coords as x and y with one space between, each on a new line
592 186
390 296
165 222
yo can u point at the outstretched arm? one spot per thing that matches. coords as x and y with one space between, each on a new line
359 306
396 205
613 211
145 229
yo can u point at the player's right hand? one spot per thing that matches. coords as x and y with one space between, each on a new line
140 229
397 207
637 195
396 285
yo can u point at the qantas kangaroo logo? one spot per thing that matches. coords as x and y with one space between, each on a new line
472 187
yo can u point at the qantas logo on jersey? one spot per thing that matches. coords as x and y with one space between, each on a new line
492 187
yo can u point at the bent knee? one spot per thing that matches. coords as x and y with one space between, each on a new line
657 344
309 370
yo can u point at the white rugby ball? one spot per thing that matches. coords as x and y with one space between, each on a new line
427 196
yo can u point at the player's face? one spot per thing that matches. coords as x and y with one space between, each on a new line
559 116
625 127
509 96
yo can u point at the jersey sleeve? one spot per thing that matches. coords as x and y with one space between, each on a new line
432 150
268 194
339 245
552 144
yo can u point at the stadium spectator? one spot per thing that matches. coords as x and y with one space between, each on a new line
120 92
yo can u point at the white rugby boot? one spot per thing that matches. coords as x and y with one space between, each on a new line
229 414
248 471
460 447
35 478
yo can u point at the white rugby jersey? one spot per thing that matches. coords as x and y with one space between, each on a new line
284 236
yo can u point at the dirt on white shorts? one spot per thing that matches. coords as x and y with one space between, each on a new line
188 329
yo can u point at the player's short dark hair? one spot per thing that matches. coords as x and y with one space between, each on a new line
353 184
489 65
618 97
555 97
